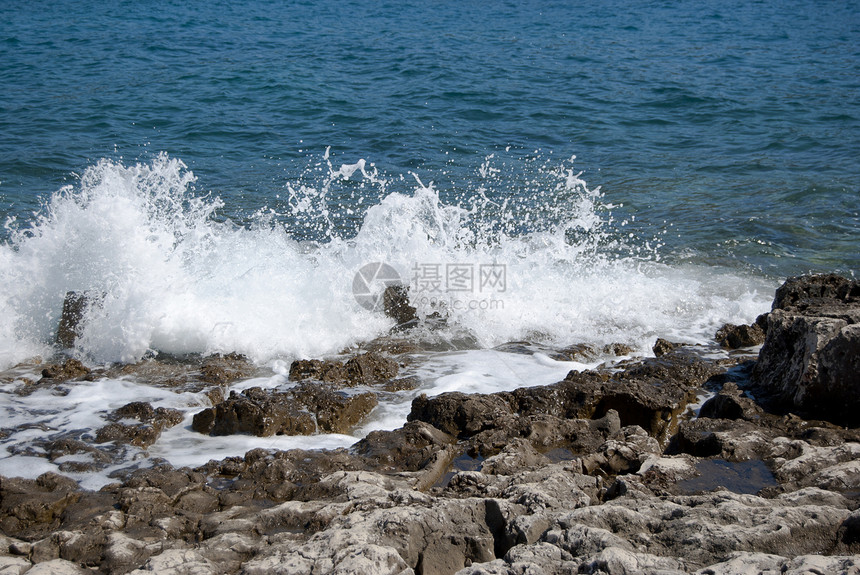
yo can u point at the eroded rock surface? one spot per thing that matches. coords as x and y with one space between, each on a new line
608 472
810 360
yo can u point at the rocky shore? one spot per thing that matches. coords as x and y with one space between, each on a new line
618 470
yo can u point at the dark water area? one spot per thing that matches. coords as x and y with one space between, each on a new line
748 477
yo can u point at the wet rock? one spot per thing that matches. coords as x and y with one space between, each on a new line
651 394
738 336
459 414
70 369
579 352
662 347
401 384
63 447
70 328
370 368
254 412
31 509
224 369
144 412
364 369
730 403
152 421
814 291
409 448
733 440
140 435
306 409
810 360
395 301
320 370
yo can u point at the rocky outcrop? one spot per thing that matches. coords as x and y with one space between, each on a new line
70 369
138 423
739 336
810 360
304 410
651 394
608 471
369 368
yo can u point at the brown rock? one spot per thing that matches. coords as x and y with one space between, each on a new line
303 410
31 509
810 360
365 369
662 347
226 369
395 301
71 369
738 336
152 422
370 368
320 370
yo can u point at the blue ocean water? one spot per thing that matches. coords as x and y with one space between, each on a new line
706 135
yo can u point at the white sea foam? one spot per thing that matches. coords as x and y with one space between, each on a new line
169 277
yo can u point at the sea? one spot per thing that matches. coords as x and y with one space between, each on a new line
247 177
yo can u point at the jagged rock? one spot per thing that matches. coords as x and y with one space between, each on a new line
143 434
748 562
738 336
651 394
703 529
836 468
849 531
225 369
733 440
620 561
730 403
813 291
178 562
370 368
810 360
662 347
320 370
32 508
460 414
303 410
624 453
69 329
409 448
518 455
395 301
70 369
364 369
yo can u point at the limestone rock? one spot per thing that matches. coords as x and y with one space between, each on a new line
70 369
738 336
303 410
810 360
369 368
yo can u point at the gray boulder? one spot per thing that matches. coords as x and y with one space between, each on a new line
810 360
